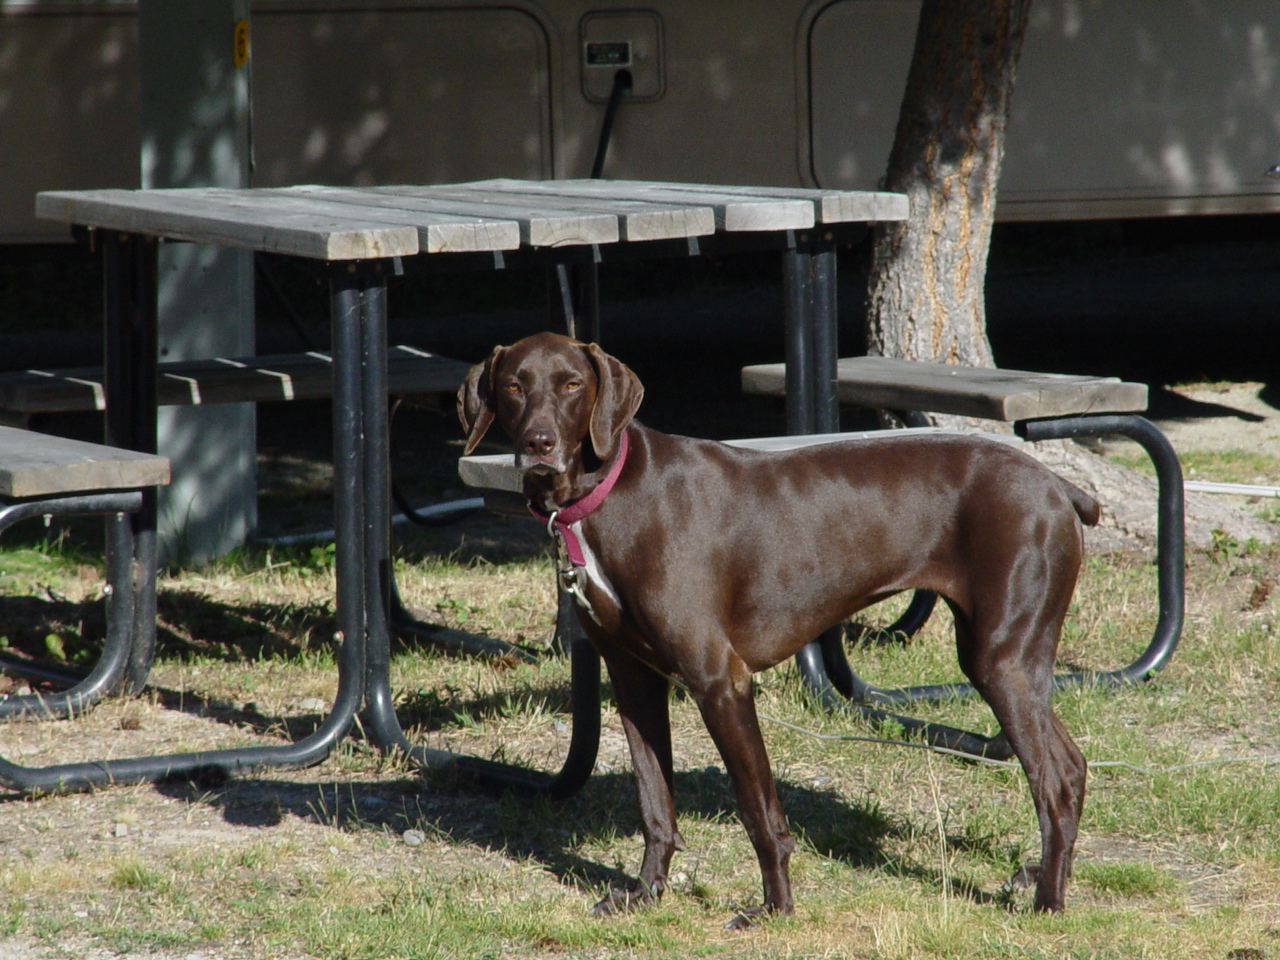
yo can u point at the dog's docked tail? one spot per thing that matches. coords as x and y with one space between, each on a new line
1087 508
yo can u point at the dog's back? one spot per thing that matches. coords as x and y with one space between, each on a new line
780 545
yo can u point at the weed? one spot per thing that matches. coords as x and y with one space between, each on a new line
1126 879
133 874
1220 466
1225 548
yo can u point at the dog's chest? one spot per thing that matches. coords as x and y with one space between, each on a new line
591 569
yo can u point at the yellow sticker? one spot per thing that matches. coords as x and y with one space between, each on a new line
241 42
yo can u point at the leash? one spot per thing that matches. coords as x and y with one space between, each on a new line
566 568
570 554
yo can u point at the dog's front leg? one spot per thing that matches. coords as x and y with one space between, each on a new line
729 710
641 695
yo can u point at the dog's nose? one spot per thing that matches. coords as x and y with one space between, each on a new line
539 442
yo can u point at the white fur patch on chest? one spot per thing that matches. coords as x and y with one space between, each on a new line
592 569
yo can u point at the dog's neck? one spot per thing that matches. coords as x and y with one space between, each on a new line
549 493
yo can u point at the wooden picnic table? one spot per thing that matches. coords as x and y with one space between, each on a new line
360 233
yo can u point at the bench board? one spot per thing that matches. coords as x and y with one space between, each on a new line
885 383
291 376
36 464
498 471
437 232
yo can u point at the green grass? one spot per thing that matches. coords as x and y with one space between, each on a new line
1218 466
901 853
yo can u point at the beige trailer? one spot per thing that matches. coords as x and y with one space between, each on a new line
1135 108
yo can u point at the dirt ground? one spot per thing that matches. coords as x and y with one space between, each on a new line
1207 417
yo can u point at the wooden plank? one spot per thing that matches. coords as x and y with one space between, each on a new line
36 464
52 391
833 206
234 218
638 219
491 472
498 471
437 232
300 376
733 212
995 394
539 226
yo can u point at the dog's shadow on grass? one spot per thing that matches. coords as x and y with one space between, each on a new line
560 835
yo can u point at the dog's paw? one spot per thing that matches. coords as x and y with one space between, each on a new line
1024 879
745 919
750 917
623 901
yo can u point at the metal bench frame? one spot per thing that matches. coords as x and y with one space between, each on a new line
824 665
111 672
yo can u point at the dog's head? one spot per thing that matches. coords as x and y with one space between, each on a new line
551 395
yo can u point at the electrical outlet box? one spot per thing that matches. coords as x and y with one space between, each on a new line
616 40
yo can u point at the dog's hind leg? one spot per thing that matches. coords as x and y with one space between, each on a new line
641 695
1018 692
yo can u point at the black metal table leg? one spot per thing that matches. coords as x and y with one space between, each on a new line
798 317
814 675
1170 533
348 523
809 297
130 352
378 589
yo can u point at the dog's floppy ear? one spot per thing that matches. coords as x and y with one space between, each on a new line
476 401
618 396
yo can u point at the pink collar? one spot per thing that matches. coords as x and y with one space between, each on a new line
559 520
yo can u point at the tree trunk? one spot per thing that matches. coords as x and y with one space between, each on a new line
925 290
926 286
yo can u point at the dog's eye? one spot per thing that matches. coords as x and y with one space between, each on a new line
573 385
513 389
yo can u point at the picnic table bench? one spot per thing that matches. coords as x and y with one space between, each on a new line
42 475
1040 406
887 383
286 376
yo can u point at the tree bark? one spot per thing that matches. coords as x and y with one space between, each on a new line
926 285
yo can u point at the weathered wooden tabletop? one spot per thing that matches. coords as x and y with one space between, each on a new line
349 223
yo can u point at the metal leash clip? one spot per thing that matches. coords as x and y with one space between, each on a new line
566 572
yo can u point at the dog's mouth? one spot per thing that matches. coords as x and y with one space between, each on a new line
541 466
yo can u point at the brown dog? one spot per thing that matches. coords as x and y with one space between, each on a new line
706 563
